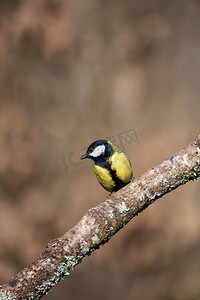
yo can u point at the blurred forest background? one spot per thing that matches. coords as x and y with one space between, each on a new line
76 71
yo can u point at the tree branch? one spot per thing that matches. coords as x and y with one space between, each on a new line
101 223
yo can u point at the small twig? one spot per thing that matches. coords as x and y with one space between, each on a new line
101 223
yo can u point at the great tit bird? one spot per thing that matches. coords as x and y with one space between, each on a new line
111 166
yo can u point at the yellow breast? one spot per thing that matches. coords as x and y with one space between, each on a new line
104 178
120 163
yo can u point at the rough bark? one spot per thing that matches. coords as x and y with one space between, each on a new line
101 223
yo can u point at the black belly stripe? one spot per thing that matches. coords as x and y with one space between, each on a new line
118 182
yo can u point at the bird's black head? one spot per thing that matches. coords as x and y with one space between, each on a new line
99 150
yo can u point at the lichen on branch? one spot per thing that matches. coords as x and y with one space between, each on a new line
101 223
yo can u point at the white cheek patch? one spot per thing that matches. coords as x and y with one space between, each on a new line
99 150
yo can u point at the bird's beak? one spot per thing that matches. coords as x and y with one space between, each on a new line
84 156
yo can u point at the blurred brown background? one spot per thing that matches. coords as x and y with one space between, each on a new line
75 71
